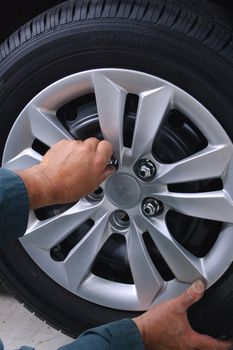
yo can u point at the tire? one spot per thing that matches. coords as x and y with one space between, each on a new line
189 45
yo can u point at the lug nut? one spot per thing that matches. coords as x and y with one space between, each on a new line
152 207
120 219
122 215
113 162
145 169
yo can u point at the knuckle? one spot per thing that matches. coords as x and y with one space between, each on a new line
64 142
91 141
99 163
189 297
107 145
72 143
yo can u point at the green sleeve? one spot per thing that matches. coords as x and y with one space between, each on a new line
14 206
120 335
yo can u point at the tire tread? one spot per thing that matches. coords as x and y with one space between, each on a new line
202 21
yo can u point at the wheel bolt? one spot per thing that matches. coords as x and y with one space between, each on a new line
145 169
152 207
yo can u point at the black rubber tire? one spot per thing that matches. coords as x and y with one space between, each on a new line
188 43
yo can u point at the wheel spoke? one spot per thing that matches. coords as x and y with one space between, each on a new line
46 127
215 205
23 160
80 260
148 281
152 108
209 163
47 234
110 99
185 266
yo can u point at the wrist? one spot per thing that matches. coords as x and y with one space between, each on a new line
139 323
39 192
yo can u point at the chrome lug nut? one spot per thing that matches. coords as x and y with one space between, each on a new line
145 172
152 207
145 169
113 162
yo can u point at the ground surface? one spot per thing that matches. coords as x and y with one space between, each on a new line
20 327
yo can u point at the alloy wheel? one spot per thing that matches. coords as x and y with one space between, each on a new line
190 183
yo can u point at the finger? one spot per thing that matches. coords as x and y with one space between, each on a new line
79 142
92 142
192 295
109 171
104 152
208 343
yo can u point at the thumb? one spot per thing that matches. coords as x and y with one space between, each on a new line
110 170
192 295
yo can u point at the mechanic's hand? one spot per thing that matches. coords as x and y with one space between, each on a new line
166 326
68 171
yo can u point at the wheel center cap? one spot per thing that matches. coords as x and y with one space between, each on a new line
123 190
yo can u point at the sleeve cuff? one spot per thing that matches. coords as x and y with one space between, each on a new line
14 206
122 335
125 335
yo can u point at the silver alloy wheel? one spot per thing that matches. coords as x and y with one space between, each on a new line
126 191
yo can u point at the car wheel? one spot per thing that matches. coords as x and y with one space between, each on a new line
153 79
